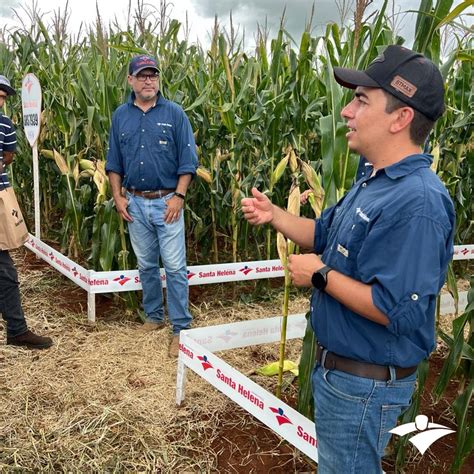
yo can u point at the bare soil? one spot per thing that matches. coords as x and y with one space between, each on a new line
222 439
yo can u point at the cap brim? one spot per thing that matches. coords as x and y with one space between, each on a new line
145 67
9 90
352 78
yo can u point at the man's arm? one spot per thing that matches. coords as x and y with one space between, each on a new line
260 210
353 294
121 202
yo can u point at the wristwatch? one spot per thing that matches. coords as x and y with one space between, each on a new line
320 278
180 195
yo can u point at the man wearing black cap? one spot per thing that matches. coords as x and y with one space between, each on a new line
151 160
18 333
380 258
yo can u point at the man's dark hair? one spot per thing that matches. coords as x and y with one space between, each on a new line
420 126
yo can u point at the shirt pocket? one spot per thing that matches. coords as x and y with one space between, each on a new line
163 143
348 243
125 139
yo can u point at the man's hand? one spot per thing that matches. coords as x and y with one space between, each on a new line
302 267
121 204
8 157
257 210
174 206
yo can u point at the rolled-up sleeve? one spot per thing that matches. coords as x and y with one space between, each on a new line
114 161
187 156
405 263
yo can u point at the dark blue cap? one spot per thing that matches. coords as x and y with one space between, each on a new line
138 63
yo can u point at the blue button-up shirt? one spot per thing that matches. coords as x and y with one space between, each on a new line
7 143
151 149
393 231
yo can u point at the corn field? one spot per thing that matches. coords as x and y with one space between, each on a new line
269 118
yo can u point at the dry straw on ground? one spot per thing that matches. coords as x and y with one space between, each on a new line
103 398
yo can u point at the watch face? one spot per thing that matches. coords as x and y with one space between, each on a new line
318 281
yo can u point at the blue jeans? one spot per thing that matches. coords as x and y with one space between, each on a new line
353 416
153 239
10 305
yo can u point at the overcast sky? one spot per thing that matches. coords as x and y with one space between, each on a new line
246 14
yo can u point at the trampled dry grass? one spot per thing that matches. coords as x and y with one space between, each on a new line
103 398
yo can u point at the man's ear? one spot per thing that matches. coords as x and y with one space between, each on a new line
402 119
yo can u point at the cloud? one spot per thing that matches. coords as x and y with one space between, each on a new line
7 6
247 13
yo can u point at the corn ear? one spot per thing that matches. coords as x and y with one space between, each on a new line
294 200
279 170
204 174
435 153
293 161
86 164
282 248
310 176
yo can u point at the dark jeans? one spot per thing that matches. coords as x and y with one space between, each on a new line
10 305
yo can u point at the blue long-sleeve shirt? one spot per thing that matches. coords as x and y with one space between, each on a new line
7 143
151 149
393 231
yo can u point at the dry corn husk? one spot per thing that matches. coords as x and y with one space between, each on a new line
293 161
204 174
282 248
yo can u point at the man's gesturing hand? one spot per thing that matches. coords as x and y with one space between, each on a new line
257 210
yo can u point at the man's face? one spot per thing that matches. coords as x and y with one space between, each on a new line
145 84
367 121
3 97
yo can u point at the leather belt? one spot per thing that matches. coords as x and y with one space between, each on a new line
362 369
159 193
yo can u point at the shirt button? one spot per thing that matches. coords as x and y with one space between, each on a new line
414 297
363 174
143 146
143 129
143 179
364 185
141 162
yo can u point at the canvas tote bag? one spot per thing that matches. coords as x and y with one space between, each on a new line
13 231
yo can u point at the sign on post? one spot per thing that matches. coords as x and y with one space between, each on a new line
31 105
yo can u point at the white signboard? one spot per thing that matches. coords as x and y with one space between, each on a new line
31 104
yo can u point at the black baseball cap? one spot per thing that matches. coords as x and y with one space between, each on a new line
6 86
138 63
403 73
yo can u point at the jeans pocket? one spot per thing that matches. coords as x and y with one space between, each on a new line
388 421
347 386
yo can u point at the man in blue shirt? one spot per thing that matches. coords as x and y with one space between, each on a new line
18 333
151 161
380 258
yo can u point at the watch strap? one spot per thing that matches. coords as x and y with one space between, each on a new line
180 195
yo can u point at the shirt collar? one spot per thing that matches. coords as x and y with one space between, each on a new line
160 100
408 165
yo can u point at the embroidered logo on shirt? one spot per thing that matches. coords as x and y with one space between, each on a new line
163 142
362 214
342 250
163 124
